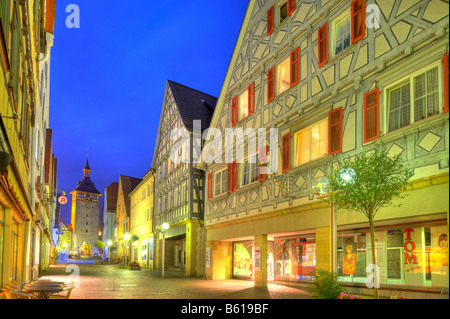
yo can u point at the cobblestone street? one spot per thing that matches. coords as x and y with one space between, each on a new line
114 282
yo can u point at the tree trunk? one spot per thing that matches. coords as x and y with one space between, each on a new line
374 262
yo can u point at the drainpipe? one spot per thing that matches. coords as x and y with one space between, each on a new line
49 42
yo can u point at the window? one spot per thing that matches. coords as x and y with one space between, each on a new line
311 143
446 84
243 105
220 182
249 171
283 76
341 33
283 12
262 172
413 99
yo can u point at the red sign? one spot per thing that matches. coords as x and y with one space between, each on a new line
62 200
409 246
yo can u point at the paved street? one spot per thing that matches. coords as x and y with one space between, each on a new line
114 282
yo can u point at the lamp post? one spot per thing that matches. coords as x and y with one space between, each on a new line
126 237
109 251
164 227
322 188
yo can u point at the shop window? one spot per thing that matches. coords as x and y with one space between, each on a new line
413 99
243 259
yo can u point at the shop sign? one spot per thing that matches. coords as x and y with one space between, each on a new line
62 200
257 259
409 246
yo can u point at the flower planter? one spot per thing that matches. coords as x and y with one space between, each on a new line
135 267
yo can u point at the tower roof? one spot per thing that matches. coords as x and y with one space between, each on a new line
87 185
87 164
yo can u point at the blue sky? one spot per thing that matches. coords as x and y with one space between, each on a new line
108 78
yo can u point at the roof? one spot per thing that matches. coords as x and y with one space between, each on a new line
111 197
87 186
128 184
193 105
87 164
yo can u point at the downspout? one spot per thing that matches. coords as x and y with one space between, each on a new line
49 43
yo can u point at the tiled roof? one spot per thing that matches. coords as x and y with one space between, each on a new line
111 199
193 105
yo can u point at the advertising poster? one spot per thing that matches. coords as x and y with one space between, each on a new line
349 259
242 259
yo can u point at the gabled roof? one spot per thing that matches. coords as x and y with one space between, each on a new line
193 105
111 199
128 184
231 66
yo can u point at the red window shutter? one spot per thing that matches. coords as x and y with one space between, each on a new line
262 176
235 175
445 60
230 178
323 44
271 84
358 20
210 175
286 153
251 98
234 111
372 115
335 131
295 67
292 5
270 21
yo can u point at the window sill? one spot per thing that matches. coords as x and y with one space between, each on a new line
416 127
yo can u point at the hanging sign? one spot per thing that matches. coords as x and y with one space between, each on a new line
62 200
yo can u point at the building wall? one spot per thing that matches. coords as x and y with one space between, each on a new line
412 36
141 222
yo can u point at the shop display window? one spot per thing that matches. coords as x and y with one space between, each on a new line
407 255
294 258
243 259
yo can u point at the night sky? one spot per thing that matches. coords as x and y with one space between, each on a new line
108 78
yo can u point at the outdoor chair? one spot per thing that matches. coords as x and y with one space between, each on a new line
69 288
17 294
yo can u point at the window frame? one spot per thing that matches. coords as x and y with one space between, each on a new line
222 190
410 80
344 15
309 127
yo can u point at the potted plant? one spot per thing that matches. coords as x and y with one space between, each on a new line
134 265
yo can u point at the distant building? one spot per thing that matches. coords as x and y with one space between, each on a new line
141 221
85 214
109 214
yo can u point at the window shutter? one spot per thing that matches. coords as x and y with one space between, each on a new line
210 175
235 175
445 60
286 153
358 20
323 44
229 178
251 98
262 169
271 84
270 21
234 111
291 6
372 115
335 131
295 67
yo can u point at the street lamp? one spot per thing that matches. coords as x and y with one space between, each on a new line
109 251
126 237
164 227
322 188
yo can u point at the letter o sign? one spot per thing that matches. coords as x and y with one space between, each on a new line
413 246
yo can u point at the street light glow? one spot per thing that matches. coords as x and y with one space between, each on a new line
165 226
126 236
